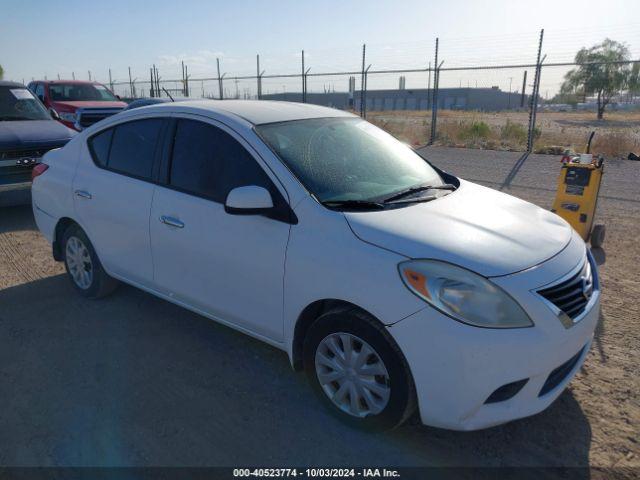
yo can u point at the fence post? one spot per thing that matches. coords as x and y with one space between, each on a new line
366 77
304 91
434 101
258 79
364 48
534 97
429 88
219 79
524 86
186 80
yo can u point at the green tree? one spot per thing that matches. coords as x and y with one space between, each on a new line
599 75
1 72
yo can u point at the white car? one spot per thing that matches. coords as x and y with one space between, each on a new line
392 283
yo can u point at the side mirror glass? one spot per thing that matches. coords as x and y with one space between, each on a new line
249 200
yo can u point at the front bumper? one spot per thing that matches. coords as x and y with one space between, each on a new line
456 367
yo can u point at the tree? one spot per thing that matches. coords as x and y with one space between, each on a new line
598 73
1 72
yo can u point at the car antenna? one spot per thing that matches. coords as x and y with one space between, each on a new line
168 94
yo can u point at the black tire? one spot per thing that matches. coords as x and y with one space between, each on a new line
100 284
402 399
597 236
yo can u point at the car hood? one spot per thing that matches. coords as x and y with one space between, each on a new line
15 134
474 227
88 104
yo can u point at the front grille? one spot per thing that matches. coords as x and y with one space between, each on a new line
88 117
26 153
572 295
556 377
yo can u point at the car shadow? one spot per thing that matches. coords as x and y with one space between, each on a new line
134 380
18 218
599 255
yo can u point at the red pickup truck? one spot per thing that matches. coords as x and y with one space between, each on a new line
77 104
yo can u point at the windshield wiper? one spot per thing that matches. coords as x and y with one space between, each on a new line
354 204
416 189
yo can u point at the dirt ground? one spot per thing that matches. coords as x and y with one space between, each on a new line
133 380
616 135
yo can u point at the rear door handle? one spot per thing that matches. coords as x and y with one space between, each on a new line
171 221
83 194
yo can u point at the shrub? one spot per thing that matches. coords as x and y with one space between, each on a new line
475 131
512 131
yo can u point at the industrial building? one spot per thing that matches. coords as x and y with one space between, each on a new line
485 99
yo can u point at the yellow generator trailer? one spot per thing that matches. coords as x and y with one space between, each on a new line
577 194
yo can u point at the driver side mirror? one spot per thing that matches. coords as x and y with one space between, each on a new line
249 200
54 114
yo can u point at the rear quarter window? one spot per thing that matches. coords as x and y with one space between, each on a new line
99 146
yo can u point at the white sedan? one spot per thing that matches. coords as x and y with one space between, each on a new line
393 284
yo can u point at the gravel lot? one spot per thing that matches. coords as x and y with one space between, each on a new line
134 380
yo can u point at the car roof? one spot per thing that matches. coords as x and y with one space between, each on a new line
73 82
5 83
257 112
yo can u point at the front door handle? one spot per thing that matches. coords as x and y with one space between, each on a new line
83 194
171 221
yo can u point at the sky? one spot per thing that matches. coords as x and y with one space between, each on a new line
51 38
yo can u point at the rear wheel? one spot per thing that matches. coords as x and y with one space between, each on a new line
83 266
358 371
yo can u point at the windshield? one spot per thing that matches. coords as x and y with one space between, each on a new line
18 103
77 92
342 159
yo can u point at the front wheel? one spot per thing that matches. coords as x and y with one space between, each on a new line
597 236
358 371
83 266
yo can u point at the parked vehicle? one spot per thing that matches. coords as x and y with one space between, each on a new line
77 104
27 132
391 282
145 102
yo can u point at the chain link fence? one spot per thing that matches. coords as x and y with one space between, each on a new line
488 100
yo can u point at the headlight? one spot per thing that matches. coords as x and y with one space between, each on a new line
462 294
67 116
